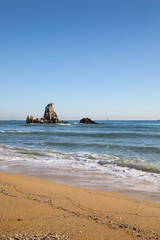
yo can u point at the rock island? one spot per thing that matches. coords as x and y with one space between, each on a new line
50 116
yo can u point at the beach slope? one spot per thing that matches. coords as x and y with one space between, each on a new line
36 208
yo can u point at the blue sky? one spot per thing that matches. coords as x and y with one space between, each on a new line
92 58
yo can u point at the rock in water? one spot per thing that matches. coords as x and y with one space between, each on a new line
30 119
87 121
50 116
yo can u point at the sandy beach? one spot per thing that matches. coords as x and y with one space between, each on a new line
79 120
39 209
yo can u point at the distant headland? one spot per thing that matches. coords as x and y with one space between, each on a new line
50 116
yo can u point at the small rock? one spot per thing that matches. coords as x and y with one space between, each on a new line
87 121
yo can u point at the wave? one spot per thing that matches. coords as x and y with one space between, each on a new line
12 131
86 159
100 145
143 149
138 165
85 134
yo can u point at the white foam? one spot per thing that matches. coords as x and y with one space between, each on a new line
82 162
14 131
64 124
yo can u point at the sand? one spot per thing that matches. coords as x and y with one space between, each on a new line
41 209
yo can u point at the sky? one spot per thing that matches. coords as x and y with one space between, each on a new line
91 58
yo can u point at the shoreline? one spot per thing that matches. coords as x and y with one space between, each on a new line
34 207
88 178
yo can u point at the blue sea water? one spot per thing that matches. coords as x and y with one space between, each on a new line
121 149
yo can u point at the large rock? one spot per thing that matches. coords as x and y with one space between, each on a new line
50 116
30 119
87 121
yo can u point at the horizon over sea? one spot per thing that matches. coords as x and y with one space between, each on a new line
119 155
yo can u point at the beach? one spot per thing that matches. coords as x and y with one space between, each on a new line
78 181
33 208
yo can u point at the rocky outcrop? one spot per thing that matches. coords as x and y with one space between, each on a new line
30 119
87 121
50 116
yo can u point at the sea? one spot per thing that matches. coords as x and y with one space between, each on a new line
120 156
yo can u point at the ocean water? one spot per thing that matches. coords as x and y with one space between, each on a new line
112 155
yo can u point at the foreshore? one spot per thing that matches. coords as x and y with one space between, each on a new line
33 208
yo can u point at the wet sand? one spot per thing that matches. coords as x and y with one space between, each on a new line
40 209
135 187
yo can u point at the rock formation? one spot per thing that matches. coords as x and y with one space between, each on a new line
87 121
30 119
50 116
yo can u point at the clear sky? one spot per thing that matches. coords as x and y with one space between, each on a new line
92 58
